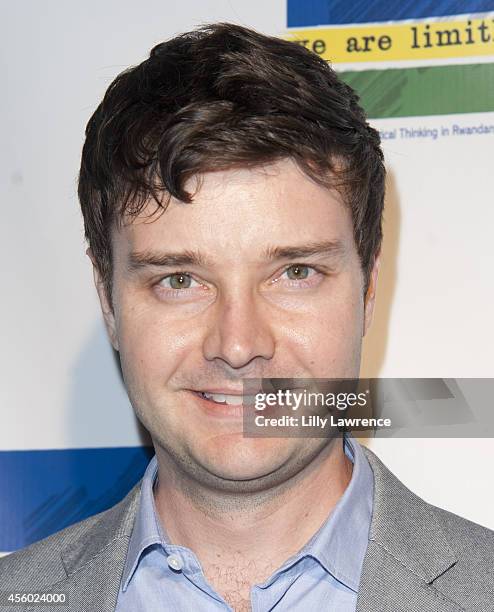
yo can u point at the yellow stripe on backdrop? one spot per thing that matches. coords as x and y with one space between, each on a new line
400 41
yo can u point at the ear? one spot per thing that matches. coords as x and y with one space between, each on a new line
106 308
370 296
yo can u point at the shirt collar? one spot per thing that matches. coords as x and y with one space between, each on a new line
339 545
147 529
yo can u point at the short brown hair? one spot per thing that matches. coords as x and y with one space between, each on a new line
218 97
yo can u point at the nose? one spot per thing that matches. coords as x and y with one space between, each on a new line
239 332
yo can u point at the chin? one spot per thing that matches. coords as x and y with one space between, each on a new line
233 457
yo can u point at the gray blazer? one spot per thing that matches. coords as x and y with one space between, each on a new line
419 559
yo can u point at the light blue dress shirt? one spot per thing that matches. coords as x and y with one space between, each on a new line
323 575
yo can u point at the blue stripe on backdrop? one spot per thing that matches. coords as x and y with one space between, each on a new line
302 13
44 491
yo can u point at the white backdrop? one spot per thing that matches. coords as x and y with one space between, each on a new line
59 384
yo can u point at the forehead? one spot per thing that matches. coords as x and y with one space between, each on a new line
238 212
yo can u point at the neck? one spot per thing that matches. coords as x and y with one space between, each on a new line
238 529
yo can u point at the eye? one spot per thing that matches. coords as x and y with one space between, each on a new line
299 276
178 280
181 286
298 272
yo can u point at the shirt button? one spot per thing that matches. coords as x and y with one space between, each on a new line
175 562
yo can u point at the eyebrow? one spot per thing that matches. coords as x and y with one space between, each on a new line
144 259
329 248
138 260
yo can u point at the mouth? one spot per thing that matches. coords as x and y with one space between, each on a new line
223 405
231 405
222 398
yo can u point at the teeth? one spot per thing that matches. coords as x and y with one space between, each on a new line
234 400
216 397
220 398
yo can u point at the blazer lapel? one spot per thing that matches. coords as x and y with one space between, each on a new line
94 562
407 551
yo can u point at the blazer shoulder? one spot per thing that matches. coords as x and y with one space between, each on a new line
451 554
43 558
41 563
466 538
470 580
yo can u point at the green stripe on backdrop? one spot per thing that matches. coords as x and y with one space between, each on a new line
430 90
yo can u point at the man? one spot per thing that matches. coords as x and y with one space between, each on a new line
232 194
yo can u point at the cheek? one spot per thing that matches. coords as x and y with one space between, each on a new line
150 346
333 342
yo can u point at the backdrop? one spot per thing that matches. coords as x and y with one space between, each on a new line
69 443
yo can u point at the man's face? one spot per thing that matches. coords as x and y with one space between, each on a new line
258 277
